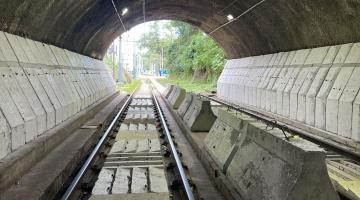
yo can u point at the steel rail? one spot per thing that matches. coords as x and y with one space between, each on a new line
174 152
88 161
289 128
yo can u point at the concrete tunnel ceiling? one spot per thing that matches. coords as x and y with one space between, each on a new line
90 26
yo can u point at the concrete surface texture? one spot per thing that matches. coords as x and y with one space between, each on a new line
42 86
318 87
176 97
184 106
262 164
199 117
88 26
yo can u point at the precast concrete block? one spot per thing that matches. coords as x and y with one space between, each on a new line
312 93
139 180
293 103
296 79
5 137
13 117
59 91
268 166
260 92
313 63
221 141
31 97
46 94
279 98
346 104
178 97
320 102
332 101
286 92
355 122
30 121
199 116
270 104
157 180
121 181
309 89
168 90
184 106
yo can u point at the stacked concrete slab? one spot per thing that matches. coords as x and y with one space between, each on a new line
318 87
41 86
260 163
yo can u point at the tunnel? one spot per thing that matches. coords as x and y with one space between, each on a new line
291 72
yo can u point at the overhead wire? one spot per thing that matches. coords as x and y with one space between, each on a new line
236 18
118 14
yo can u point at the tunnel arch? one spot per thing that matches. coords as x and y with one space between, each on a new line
89 26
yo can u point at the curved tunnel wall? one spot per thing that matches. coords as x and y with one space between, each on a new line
89 26
41 86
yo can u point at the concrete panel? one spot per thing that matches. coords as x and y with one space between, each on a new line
296 79
199 116
349 94
224 135
280 84
261 95
313 62
168 90
32 98
185 104
121 181
46 95
7 52
16 47
157 180
320 102
317 84
139 180
13 117
267 166
332 102
103 184
178 97
321 98
19 99
271 88
5 137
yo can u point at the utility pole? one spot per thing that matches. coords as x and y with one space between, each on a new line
120 62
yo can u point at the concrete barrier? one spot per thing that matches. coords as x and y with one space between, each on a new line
42 86
199 117
261 164
222 138
168 90
317 87
184 106
177 97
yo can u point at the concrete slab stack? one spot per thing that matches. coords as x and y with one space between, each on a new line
42 86
318 87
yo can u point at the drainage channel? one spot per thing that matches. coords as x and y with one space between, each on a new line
137 158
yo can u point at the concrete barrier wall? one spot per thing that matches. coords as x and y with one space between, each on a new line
318 87
199 116
176 96
41 86
262 164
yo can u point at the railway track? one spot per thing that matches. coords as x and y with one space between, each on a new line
136 158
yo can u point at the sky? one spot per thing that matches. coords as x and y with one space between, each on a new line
129 40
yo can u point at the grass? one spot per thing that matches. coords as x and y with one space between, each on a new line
130 87
189 84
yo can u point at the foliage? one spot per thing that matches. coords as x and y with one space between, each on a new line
130 87
186 50
190 84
